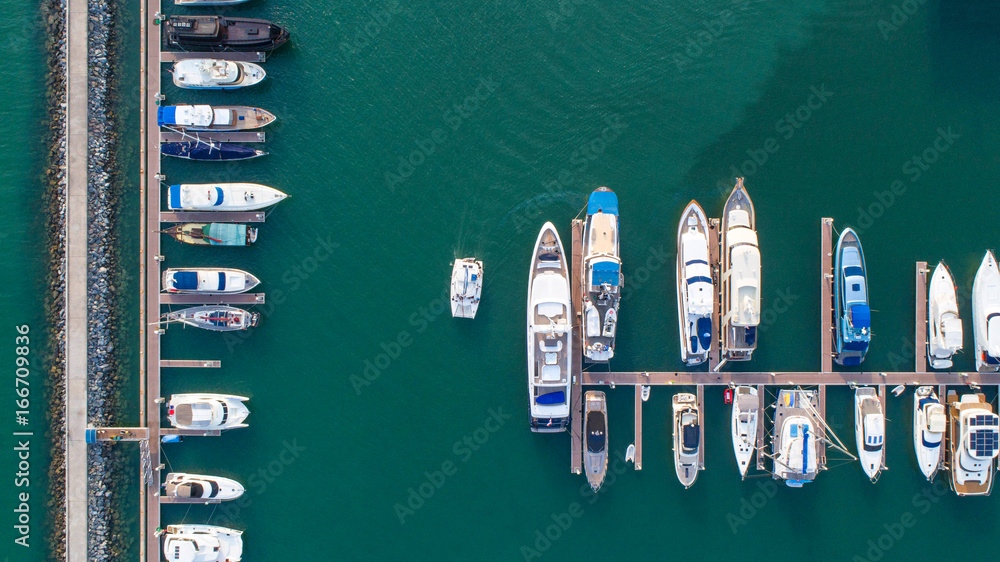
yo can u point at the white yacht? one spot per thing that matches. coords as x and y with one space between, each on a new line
929 425
198 488
739 276
466 287
944 327
222 197
986 315
550 329
973 442
208 280
207 411
746 408
869 431
218 118
603 277
695 290
687 438
595 451
215 74
796 438
202 543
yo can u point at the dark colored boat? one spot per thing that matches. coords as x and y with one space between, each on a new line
209 151
218 33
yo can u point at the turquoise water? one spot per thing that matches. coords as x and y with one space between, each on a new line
365 394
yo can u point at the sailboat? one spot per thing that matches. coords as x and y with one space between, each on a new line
595 423
869 431
798 432
746 408
944 327
929 425
986 315
695 290
603 277
739 276
687 438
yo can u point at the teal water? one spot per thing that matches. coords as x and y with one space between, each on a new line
364 392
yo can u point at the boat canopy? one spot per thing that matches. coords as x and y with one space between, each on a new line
551 398
937 422
197 414
874 427
596 432
605 272
603 201
951 330
189 115
188 196
226 234
185 280
739 217
697 274
691 436
549 289
860 316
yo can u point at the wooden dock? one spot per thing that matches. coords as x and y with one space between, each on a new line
788 378
117 434
240 298
213 136
174 56
826 318
701 427
920 317
715 351
761 409
211 216
638 428
190 363
576 394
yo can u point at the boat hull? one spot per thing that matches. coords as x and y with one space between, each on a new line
794 445
209 281
944 326
693 316
222 197
226 118
602 277
215 318
743 423
218 33
986 312
209 489
204 74
466 287
226 411
686 438
740 276
967 480
205 151
852 316
225 545
927 446
869 431
595 446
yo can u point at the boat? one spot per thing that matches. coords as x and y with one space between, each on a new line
687 438
207 412
213 118
944 327
630 453
973 442
695 290
209 151
595 452
223 33
796 438
644 392
466 287
746 408
215 74
929 425
202 543
603 277
986 315
214 317
213 234
852 314
550 328
869 431
197 3
194 487
208 281
739 276
222 197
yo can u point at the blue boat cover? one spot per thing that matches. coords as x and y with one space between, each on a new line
861 316
854 271
210 151
166 115
805 450
705 332
606 272
185 280
228 234
222 281
605 201
222 196
558 397
175 197
855 346
851 361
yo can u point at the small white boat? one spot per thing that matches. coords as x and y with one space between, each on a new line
695 289
207 411
973 443
986 315
869 430
466 287
746 408
215 74
208 281
194 487
944 327
687 438
213 118
603 279
630 453
595 440
222 197
929 425
739 276
202 543
644 392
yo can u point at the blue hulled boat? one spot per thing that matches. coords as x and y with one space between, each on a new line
853 316
209 151
603 277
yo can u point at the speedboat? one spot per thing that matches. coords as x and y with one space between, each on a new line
466 287
207 411
853 317
973 442
695 291
603 276
795 445
213 234
929 425
986 315
195 487
595 422
215 74
196 3
746 408
550 329
869 430
202 543
222 197
223 33
209 151
739 276
213 118
687 438
214 317
208 281
944 327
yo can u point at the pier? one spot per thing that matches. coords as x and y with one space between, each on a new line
190 363
241 298
235 56
211 216
213 136
576 395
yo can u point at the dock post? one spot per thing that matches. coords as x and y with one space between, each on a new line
576 396
637 464
714 352
761 402
701 427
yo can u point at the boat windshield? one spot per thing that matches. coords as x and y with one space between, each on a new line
596 432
